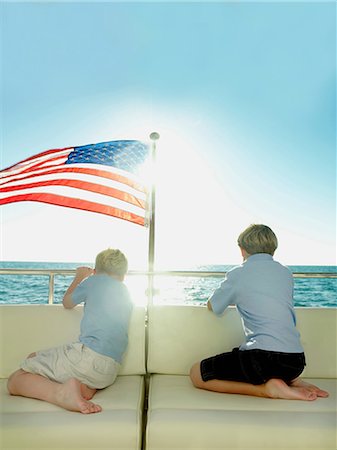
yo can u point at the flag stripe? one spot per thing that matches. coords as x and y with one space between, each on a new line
75 193
37 159
76 203
93 187
57 161
76 177
112 175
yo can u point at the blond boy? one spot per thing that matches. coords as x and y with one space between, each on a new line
68 376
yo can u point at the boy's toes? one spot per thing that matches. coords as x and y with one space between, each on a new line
311 395
90 408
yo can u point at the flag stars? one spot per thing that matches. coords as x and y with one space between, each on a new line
125 155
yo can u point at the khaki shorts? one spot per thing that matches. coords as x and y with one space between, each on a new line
73 361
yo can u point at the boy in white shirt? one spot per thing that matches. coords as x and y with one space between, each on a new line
271 359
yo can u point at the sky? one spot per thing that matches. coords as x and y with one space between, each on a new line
243 95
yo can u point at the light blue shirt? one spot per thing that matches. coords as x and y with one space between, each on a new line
107 311
262 290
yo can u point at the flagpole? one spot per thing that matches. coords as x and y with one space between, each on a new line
152 219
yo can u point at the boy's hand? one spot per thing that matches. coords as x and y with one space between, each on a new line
83 272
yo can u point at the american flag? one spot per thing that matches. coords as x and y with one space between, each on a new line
101 178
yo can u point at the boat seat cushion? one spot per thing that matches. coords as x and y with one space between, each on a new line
179 336
33 424
29 423
183 417
27 328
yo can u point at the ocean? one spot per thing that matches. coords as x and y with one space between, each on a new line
33 289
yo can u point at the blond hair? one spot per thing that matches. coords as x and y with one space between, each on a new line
111 261
258 239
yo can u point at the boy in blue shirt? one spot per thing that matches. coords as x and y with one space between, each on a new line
271 359
68 376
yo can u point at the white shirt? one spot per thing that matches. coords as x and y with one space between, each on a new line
107 311
262 290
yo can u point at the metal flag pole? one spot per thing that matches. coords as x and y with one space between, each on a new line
152 219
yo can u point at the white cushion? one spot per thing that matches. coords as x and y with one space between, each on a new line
178 392
181 416
179 336
27 328
318 329
34 424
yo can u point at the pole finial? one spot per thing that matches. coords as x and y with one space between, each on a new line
154 136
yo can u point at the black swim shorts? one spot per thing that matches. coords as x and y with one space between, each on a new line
252 366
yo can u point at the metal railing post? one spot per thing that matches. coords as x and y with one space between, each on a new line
51 289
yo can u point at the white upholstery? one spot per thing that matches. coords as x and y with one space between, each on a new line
179 415
318 328
182 335
177 392
33 424
27 328
183 417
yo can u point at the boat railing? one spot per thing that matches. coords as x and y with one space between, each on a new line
51 273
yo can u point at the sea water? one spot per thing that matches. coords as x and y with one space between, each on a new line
33 289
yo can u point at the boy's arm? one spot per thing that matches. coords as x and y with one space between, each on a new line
81 274
209 306
224 295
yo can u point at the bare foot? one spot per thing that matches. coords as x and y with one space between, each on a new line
311 387
87 392
276 388
69 397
